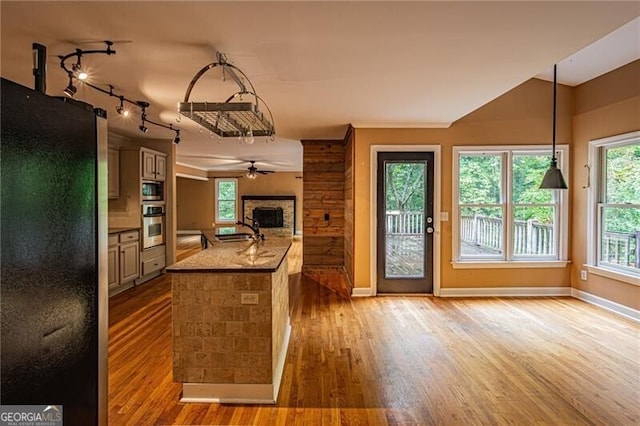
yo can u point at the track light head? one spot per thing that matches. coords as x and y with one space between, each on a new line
79 73
70 90
143 128
120 109
176 140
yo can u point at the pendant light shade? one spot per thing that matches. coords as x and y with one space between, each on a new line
553 178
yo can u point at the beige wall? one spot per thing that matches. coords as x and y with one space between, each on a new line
606 106
196 198
521 116
194 204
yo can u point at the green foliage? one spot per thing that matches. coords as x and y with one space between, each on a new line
226 200
481 183
480 179
226 190
404 186
623 187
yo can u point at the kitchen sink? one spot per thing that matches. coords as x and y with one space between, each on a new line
241 236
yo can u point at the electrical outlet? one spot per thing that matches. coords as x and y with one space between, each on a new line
583 275
249 298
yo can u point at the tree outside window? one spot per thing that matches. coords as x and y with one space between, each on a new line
226 200
501 214
619 208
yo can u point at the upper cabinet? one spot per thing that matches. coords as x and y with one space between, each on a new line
154 165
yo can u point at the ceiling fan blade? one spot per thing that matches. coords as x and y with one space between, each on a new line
265 172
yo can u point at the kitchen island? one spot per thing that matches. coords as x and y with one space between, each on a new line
230 306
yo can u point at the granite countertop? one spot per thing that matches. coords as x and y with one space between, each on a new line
118 230
237 256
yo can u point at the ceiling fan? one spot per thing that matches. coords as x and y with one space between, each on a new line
252 171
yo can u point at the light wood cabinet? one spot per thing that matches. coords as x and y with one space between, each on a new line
161 167
129 261
114 172
154 165
153 259
124 260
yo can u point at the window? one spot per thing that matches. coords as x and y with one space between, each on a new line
614 198
226 200
500 214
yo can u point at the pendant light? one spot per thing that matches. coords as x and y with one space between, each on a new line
553 178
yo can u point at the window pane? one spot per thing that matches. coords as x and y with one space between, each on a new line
533 231
481 231
620 235
623 174
226 190
404 186
528 171
480 179
227 210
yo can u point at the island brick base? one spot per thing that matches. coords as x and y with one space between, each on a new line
220 343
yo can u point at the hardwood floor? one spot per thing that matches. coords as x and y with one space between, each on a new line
396 360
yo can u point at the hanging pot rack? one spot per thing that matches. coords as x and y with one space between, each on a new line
228 118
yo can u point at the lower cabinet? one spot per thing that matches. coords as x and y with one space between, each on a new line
124 260
153 261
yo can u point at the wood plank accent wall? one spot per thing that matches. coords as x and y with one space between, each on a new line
323 194
349 176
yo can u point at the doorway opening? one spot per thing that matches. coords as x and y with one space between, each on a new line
405 252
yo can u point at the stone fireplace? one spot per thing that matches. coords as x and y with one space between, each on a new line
268 208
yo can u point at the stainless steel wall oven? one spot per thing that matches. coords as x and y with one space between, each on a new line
153 225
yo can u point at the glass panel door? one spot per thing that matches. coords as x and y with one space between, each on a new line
405 222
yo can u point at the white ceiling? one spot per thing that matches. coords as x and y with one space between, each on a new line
318 65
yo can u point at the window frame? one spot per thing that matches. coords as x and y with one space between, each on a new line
508 259
218 181
595 195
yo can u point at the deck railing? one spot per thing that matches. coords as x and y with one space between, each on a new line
621 248
530 237
404 223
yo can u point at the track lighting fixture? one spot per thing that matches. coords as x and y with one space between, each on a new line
76 71
142 127
70 90
121 110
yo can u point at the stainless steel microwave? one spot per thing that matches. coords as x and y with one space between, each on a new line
152 191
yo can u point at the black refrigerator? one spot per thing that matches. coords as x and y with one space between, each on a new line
53 292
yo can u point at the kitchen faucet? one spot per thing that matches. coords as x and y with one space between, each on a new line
255 227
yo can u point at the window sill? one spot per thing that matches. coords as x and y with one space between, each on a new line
510 265
614 275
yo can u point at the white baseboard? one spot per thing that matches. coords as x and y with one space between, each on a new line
614 307
361 292
505 292
189 232
227 393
